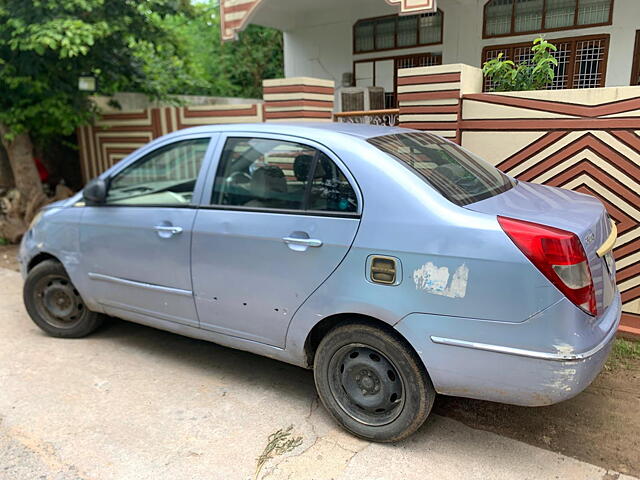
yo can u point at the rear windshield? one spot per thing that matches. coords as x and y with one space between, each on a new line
458 175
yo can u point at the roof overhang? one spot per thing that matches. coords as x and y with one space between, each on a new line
235 15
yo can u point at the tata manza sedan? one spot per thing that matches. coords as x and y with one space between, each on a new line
393 262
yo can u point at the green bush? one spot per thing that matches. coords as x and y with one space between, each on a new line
536 74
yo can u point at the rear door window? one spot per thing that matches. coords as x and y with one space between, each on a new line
330 190
264 173
456 174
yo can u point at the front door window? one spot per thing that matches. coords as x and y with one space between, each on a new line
166 176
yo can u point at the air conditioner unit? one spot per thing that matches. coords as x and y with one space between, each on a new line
355 99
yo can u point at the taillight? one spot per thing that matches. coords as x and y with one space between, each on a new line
559 255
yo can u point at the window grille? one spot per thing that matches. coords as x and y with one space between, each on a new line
591 12
407 31
512 17
528 15
581 61
364 36
497 17
386 33
588 64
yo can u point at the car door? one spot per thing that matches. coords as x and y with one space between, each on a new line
283 213
135 248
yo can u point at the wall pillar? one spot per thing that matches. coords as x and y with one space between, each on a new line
298 99
430 98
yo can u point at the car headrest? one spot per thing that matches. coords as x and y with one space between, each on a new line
301 166
303 163
268 180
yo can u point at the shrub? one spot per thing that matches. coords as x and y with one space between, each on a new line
534 74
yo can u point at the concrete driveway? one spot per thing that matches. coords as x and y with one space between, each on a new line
132 402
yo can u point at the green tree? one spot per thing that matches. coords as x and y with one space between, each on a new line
45 45
231 69
535 74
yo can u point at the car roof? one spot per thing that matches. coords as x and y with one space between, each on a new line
301 128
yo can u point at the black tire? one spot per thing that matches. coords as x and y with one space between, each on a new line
372 382
55 305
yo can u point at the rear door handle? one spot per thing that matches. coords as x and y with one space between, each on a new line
166 231
306 242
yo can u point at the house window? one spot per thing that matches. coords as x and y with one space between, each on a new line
581 60
513 17
635 70
387 33
383 72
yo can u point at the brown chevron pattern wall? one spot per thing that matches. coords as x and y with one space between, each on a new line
584 140
116 135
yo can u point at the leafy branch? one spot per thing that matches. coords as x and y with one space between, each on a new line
534 74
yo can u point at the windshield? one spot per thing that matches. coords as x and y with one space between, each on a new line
457 174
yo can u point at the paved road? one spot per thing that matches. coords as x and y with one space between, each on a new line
131 402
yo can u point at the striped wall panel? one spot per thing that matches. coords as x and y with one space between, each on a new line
234 15
429 97
584 140
116 135
298 99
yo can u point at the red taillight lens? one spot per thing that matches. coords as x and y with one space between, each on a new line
559 255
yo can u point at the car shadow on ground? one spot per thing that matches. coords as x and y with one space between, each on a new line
225 362
598 426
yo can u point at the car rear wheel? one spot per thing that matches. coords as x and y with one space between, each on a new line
54 304
372 382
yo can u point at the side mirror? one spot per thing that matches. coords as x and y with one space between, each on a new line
95 192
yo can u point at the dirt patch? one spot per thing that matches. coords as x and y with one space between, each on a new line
8 254
599 426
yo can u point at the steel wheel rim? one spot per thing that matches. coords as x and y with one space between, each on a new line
58 302
366 385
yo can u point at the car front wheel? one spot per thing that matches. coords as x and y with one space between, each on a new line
54 304
372 382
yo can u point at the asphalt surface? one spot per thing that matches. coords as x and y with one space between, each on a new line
131 402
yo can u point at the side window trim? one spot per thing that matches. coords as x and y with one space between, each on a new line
149 149
217 157
310 176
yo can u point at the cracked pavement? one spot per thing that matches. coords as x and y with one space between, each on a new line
131 402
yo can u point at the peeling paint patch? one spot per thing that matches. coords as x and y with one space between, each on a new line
563 379
435 280
564 349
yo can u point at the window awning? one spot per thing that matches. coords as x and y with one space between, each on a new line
237 14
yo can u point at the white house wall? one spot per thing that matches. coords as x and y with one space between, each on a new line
322 46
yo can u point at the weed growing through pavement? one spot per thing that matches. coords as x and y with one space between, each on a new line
279 443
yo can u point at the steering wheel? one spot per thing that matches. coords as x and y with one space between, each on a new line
237 177
232 183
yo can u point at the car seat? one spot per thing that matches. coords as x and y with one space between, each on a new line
268 187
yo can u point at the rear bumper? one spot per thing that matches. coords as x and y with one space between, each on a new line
501 373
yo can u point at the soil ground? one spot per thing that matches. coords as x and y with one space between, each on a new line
600 426
8 254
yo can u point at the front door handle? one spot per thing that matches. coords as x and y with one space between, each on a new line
305 242
166 231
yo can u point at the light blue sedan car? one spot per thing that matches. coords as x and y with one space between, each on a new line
392 262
